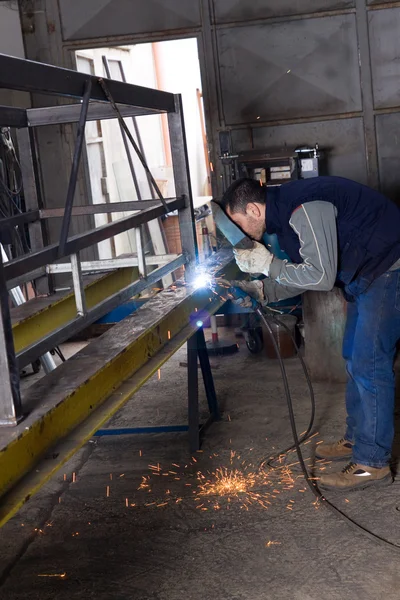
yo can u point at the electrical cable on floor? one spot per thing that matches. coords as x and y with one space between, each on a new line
313 487
305 435
57 350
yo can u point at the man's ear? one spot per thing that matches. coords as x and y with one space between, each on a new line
253 210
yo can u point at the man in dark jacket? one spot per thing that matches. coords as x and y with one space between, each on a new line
335 232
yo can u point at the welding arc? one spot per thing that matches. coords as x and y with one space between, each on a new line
313 487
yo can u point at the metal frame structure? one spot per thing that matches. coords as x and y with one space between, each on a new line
68 406
99 99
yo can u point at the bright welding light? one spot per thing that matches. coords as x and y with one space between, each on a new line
203 280
199 323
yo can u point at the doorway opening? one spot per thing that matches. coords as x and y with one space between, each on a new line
171 66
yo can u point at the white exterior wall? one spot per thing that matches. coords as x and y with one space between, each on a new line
178 72
10 30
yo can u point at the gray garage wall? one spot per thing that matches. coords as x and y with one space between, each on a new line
277 73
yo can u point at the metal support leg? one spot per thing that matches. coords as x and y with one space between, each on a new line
140 252
75 167
10 399
79 290
197 349
193 395
207 375
182 181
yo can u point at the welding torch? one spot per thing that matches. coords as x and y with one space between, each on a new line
241 297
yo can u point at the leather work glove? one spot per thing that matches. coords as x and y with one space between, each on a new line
253 289
256 260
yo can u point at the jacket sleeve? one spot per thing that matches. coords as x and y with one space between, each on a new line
315 224
275 292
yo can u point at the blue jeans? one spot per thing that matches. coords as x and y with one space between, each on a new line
369 348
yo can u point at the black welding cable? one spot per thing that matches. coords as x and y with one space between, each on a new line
57 350
310 482
306 434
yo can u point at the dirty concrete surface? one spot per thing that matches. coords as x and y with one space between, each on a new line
91 533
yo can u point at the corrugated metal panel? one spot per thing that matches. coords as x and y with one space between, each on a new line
388 134
384 27
241 10
104 18
289 70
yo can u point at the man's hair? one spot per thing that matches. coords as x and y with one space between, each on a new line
241 193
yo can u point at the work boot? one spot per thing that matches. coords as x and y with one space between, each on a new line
335 451
355 477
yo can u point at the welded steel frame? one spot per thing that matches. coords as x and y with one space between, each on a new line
99 99
69 407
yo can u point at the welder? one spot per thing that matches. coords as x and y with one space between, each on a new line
336 232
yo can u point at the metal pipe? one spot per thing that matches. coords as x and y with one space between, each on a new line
27 277
95 209
140 252
50 254
13 117
109 264
79 290
16 220
69 113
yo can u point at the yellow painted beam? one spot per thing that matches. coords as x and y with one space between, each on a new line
75 392
31 483
53 314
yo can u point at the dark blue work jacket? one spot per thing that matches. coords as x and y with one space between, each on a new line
368 227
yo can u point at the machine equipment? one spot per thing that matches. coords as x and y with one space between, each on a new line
270 166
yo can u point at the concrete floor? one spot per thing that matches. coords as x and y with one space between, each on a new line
178 551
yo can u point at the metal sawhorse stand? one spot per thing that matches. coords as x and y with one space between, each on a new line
196 351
